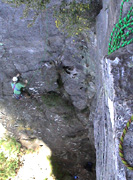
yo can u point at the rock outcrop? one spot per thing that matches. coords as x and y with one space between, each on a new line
82 98
57 71
114 98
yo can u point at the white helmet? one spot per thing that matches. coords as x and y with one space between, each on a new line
15 79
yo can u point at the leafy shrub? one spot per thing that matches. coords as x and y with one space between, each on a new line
76 17
73 18
9 161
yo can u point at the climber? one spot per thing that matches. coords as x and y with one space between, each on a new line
17 86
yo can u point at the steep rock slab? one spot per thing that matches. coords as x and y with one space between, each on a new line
114 99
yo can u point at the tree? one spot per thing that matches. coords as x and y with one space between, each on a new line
75 17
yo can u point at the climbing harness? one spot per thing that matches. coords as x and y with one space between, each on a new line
121 144
17 96
120 35
14 87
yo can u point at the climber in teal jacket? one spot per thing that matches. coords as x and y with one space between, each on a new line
17 86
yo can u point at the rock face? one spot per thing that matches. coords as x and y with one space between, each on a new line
114 99
82 97
58 74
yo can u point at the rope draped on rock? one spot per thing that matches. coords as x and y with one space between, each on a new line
121 145
120 35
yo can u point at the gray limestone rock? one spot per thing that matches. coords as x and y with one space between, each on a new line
82 98
58 113
114 99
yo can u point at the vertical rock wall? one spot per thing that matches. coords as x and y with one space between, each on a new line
114 99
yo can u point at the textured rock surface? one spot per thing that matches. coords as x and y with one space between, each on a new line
114 99
58 74
79 90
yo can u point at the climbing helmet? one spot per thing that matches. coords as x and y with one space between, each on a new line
15 79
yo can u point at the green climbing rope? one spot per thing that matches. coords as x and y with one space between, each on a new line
121 145
121 34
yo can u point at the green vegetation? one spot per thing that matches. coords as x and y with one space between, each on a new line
73 18
53 99
9 160
36 5
57 169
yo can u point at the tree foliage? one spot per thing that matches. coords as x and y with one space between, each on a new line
73 18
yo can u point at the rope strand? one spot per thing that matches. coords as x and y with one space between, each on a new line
120 35
121 145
